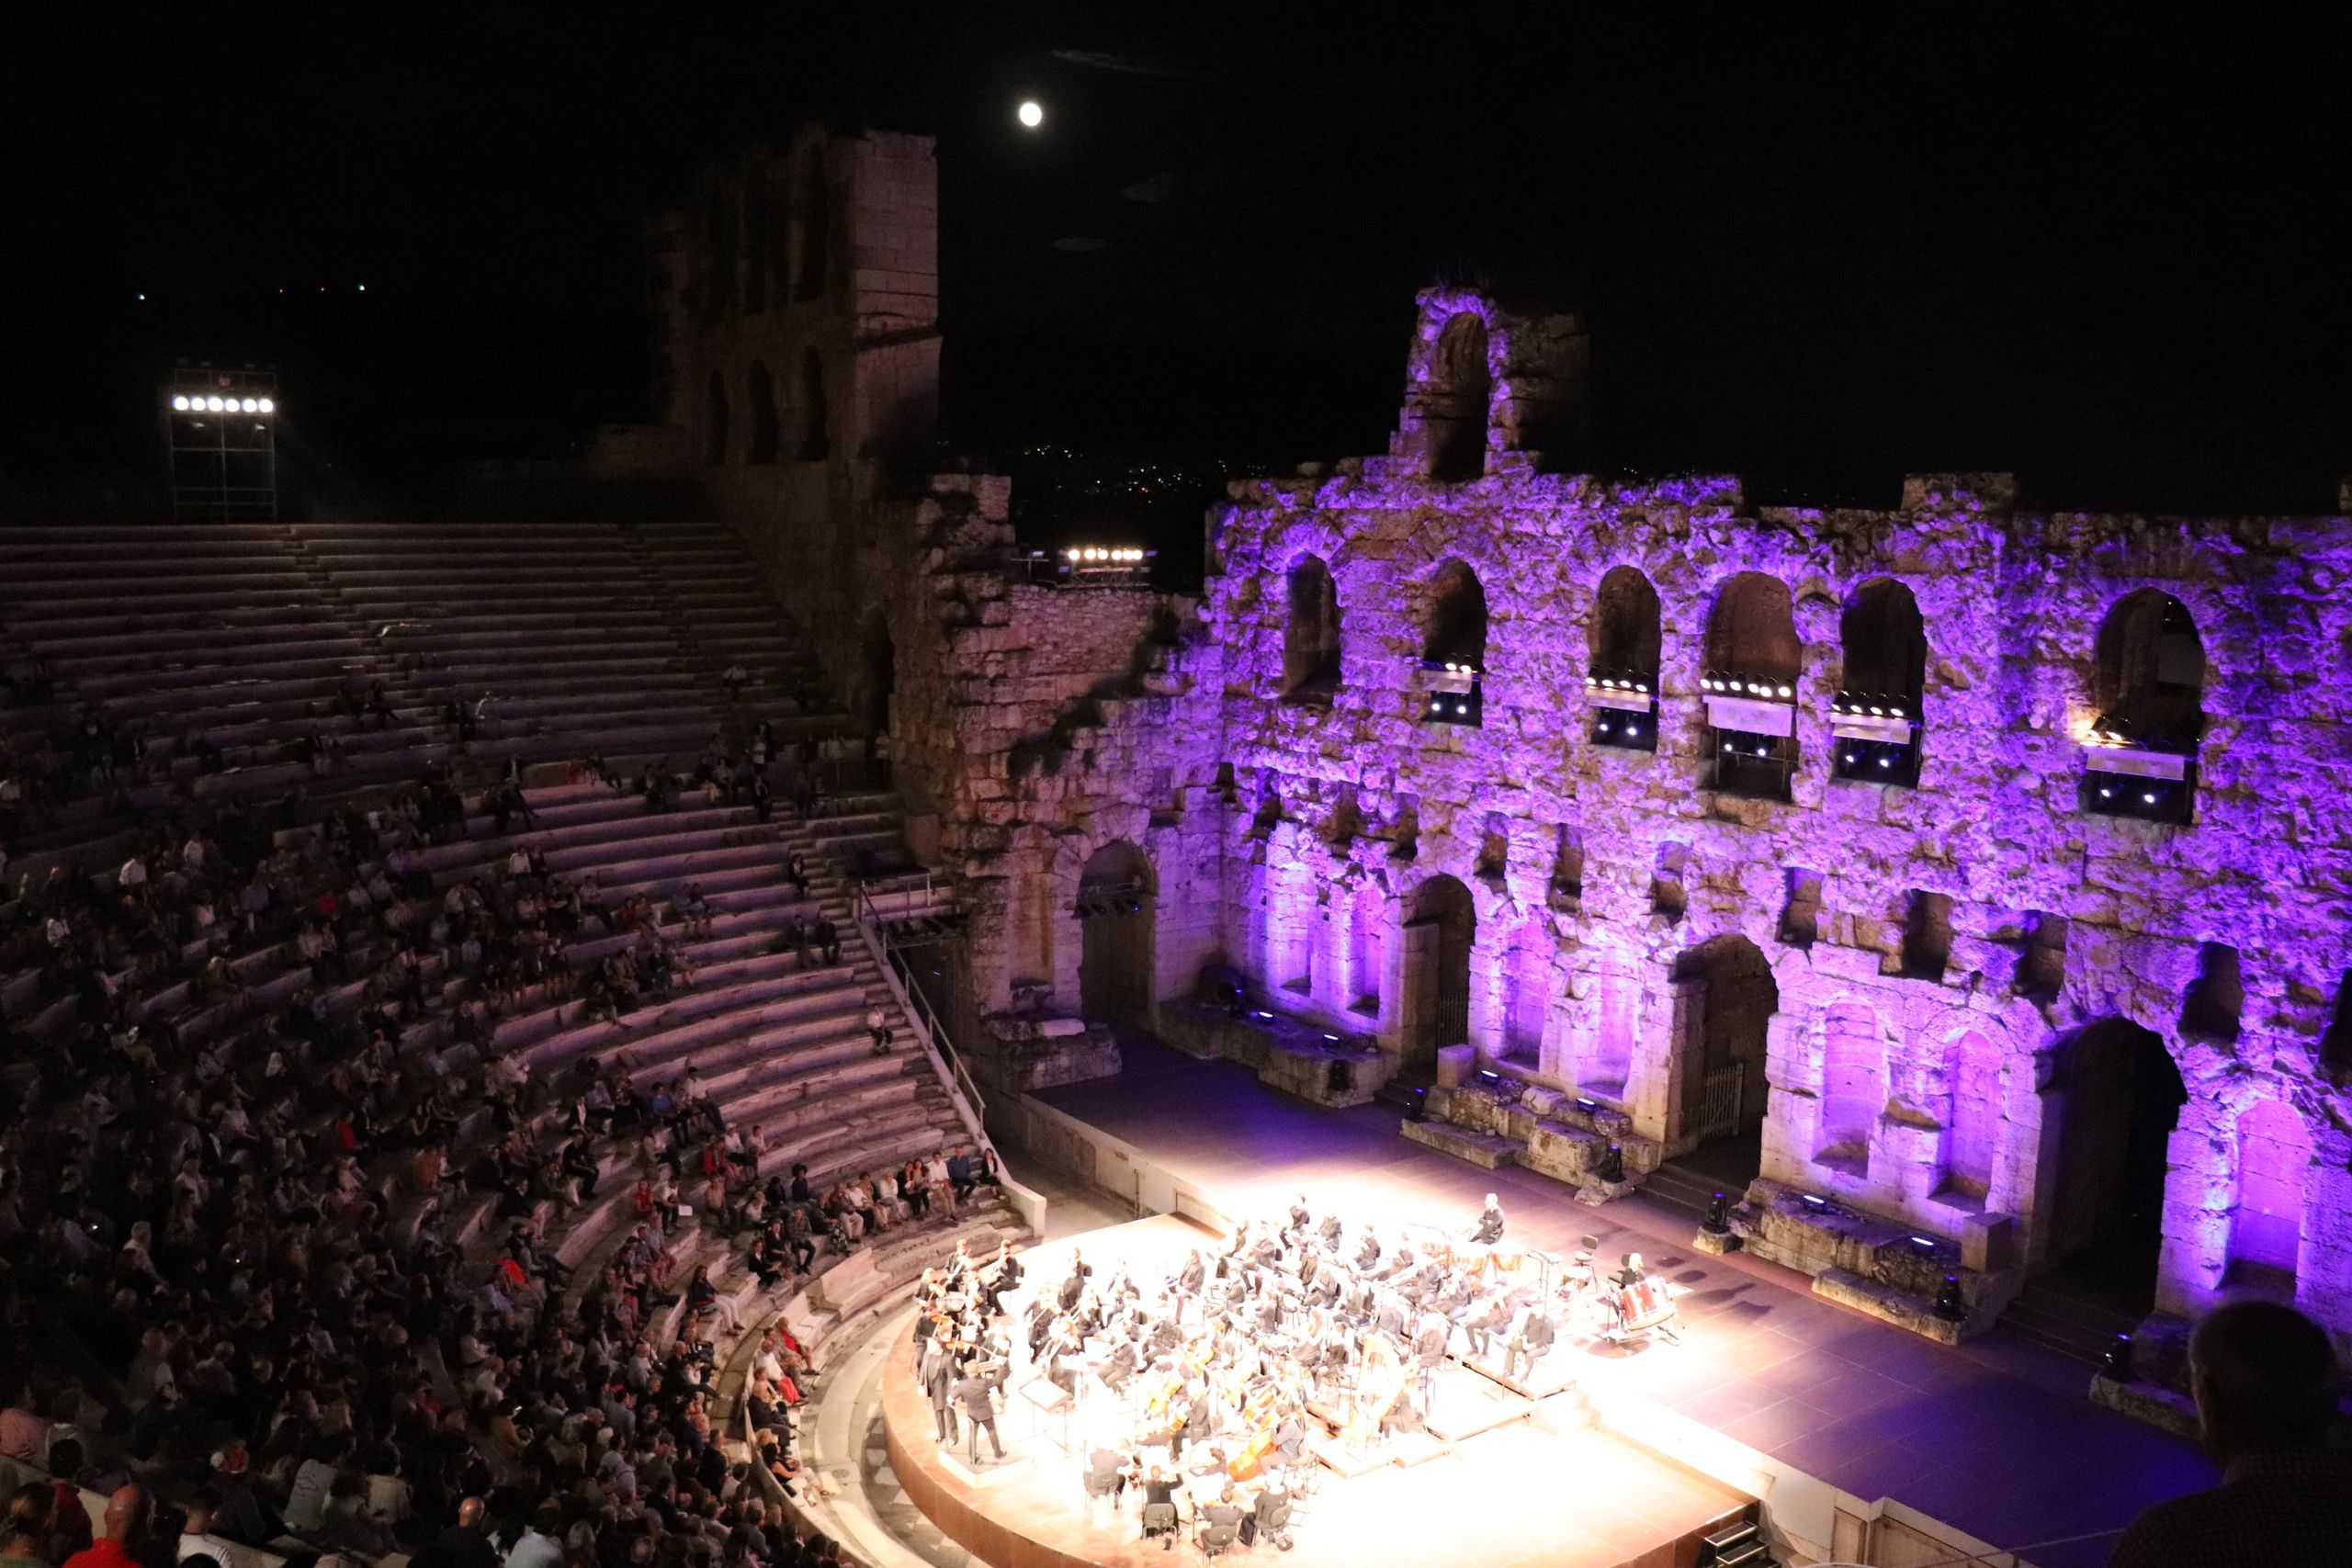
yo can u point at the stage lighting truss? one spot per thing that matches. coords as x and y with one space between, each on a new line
1089 566
1453 692
2126 774
1131 897
1876 737
1624 708
220 441
1751 733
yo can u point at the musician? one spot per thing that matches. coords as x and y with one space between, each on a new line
1491 1319
1158 1488
1531 1339
1388 1315
1119 1369
1489 1228
1290 1436
978 1396
1402 1261
1041 1324
1061 1345
1225 1511
1429 1342
1299 1217
939 1379
1199 1424
1368 1251
1075 1286
1629 1270
1187 1284
1329 1232
1002 1276
1325 1291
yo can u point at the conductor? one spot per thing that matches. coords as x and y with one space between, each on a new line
1489 1228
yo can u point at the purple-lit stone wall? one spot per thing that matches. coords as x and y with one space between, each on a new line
1938 1099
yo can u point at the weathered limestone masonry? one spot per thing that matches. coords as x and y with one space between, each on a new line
1948 977
1983 872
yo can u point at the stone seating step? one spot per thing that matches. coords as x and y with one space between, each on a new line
1488 1151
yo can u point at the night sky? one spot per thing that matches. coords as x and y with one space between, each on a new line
2104 248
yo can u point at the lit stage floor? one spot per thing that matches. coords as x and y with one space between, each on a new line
1993 1438
1525 1484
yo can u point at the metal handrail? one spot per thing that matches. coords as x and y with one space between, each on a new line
931 1034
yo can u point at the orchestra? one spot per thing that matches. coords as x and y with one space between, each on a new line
1234 1368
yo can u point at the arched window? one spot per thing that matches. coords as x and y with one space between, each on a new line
1311 633
816 209
1621 679
2117 1097
713 420
718 257
1752 658
1438 942
1876 714
755 240
1117 898
816 443
2148 684
759 394
1721 1030
1454 406
1457 629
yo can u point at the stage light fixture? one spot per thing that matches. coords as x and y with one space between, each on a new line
180 403
1814 1201
1718 1222
2117 1361
1950 1307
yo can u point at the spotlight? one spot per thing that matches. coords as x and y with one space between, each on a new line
1604 727
1761 750
1261 1015
1849 756
1948 1305
212 405
180 403
2106 792
1924 1243
2117 1361
1886 762
2148 797
249 406
1612 1165
1588 1105
1814 1201
1786 694
1718 1221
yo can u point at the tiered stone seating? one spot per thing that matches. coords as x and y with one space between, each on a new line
588 639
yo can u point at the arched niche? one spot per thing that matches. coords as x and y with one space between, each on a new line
1853 1085
1438 942
1117 913
2117 1097
816 434
1310 632
1454 403
2273 1166
713 420
1724 1000
813 207
756 239
1527 992
1622 674
759 398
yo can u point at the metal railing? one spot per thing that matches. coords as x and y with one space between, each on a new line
932 1034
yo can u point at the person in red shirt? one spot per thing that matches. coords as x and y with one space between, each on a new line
126 1519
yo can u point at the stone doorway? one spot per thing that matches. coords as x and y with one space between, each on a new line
1436 993
1118 928
2120 1098
1724 998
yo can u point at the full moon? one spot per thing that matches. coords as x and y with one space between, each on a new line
1031 113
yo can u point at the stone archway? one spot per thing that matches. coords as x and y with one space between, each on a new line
1435 992
1724 998
2118 1096
1118 937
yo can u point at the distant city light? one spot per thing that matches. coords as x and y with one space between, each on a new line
1032 114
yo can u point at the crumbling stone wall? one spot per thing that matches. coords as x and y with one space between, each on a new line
1358 790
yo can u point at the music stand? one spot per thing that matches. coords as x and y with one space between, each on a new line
1046 1398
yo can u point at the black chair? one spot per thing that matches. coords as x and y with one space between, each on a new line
1159 1518
1273 1515
1217 1541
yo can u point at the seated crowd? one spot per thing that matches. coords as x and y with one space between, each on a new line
253 1094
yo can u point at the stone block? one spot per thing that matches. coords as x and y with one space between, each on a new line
1455 1064
1484 1150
